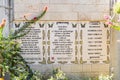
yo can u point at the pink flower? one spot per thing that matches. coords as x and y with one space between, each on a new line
109 23
107 17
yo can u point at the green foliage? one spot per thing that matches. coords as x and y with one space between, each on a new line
116 8
116 27
21 31
58 75
11 60
105 77
1 30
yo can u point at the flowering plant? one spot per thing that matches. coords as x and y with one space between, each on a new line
114 20
10 59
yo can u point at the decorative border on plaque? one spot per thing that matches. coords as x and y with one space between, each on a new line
107 61
92 39
49 25
80 36
76 61
63 42
33 44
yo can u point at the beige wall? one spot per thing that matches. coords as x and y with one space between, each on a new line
64 9
67 10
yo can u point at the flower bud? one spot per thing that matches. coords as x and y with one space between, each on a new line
2 24
109 23
107 17
45 9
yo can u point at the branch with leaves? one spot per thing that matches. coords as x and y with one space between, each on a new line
20 32
12 62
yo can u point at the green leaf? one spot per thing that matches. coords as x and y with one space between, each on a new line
116 27
116 8
1 35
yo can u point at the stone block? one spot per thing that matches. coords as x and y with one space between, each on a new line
18 16
26 7
76 68
79 1
42 68
105 2
19 8
66 68
30 1
97 16
86 67
92 16
60 8
60 16
20 1
100 67
85 2
33 1
44 1
94 2
91 8
55 66
47 68
64 1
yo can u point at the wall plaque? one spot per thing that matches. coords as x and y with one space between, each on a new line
32 43
61 38
95 42
66 42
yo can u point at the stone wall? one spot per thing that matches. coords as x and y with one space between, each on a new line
67 10
63 9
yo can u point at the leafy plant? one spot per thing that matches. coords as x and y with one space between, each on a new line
11 60
107 77
58 75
